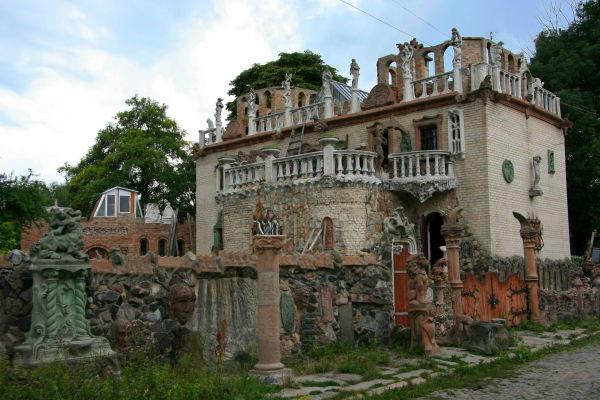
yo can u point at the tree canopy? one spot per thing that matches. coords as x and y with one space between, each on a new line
568 61
307 69
22 202
143 149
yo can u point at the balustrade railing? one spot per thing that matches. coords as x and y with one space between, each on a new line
510 83
307 113
432 85
545 99
239 176
354 163
270 122
421 165
303 166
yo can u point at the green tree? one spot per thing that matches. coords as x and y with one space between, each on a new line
568 61
22 202
307 69
143 149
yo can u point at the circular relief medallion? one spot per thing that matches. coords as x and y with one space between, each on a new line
508 171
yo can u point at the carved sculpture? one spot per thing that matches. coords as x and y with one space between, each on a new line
420 309
327 77
355 72
218 110
59 330
406 56
457 47
287 308
378 142
210 124
397 226
536 190
265 223
286 84
439 276
252 107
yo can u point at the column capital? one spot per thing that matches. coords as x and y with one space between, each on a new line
262 243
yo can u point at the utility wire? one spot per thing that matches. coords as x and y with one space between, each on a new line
583 110
422 19
378 19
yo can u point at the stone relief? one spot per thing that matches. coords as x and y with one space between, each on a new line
355 72
457 47
536 190
406 56
508 171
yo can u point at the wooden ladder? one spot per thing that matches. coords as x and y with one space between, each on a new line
296 142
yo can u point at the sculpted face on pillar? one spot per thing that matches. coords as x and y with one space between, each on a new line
452 222
531 230
182 303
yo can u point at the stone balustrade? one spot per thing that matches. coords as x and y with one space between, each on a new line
545 99
421 166
432 85
355 163
237 177
298 116
303 166
343 165
510 83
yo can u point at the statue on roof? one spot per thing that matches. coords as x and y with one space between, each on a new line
355 72
406 56
210 124
252 107
457 43
287 91
218 110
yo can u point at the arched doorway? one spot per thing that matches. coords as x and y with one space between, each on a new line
97 253
433 237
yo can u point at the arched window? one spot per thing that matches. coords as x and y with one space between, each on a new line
301 99
430 63
392 73
97 253
511 64
180 247
312 99
268 99
143 246
328 241
162 247
448 56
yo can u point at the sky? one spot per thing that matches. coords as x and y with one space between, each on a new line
66 67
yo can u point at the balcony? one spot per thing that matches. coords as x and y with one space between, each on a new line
324 166
422 173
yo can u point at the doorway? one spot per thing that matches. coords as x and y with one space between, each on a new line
433 237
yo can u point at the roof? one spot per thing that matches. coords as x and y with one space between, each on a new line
342 92
119 188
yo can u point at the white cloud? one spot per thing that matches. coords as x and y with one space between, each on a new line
75 91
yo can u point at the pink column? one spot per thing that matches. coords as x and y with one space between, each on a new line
269 364
453 230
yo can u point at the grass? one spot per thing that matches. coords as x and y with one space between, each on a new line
342 358
142 379
588 324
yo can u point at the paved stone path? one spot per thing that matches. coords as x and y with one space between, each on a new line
572 375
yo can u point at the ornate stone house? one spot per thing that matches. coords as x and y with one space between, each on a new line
117 222
481 134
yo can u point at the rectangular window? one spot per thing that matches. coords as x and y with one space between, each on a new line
124 204
110 205
429 137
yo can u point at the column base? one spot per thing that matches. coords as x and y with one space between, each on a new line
281 376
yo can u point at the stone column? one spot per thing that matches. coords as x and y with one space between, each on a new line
453 230
354 71
531 236
327 95
269 366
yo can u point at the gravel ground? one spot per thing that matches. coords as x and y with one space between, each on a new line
571 375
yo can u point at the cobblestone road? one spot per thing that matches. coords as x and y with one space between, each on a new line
570 375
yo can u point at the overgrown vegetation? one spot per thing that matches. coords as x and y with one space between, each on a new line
568 61
343 358
307 69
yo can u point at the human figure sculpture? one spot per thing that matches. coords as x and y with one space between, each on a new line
428 336
252 107
536 190
286 84
457 47
355 72
218 110
406 56
378 142
210 124
327 78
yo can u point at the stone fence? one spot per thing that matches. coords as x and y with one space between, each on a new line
328 297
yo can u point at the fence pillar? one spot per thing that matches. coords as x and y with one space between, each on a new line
268 317
531 235
453 230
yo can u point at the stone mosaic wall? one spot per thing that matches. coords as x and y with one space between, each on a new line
319 286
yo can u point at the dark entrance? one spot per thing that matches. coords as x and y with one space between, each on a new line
433 237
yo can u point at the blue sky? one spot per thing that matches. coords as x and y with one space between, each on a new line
67 67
